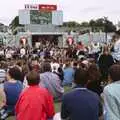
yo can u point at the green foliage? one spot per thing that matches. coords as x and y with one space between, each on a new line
15 23
96 25
84 24
71 24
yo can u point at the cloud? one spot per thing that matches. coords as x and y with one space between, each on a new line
114 12
92 9
5 21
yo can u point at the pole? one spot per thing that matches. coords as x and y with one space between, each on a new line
105 19
106 36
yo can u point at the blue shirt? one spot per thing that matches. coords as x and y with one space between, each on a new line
68 76
111 96
80 104
12 92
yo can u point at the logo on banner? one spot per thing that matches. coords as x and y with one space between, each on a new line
70 40
23 41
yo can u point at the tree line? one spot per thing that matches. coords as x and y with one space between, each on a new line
102 24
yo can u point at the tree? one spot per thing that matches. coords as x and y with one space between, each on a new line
102 24
109 26
71 24
92 23
85 24
15 23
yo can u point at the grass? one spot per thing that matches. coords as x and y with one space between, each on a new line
58 104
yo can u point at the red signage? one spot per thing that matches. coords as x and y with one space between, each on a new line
41 7
47 7
70 40
23 41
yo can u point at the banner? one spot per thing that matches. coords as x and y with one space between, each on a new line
40 17
43 7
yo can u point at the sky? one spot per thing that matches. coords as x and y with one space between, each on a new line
73 10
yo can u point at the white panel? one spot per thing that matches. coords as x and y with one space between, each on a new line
57 17
31 6
24 17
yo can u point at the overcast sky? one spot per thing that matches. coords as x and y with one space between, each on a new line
78 10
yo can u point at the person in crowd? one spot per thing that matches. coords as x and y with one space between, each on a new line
68 75
111 44
47 54
35 64
96 50
116 48
8 53
84 64
42 54
111 94
54 65
51 81
10 93
35 102
74 53
3 69
25 69
22 52
59 72
19 64
94 82
81 54
75 65
104 62
69 52
81 103
2 53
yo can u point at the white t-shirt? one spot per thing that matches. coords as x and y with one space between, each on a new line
51 53
1 52
55 66
22 51
96 48
116 53
8 54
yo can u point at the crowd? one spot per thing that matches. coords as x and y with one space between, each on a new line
32 80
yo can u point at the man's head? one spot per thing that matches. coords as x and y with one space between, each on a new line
75 64
114 72
33 78
46 67
80 77
14 73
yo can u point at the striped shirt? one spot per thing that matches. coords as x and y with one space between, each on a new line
52 82
2 75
